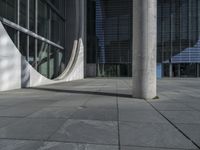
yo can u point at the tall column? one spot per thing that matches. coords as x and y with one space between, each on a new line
144 48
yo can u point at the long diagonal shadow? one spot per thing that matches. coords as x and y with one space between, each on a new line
83 92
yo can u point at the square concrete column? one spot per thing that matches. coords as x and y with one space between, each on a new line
144 48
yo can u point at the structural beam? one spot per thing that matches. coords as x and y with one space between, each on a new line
144 48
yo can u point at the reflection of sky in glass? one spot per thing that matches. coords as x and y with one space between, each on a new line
178 31
188 55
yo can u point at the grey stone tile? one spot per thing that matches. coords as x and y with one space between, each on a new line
19 145
61 146
182 116
100 147
191 130
129 105
7 120
141 116
70 103
19 111
102 102
152 135
149 148
39 129
194 106
37 103
54 112
98 132
10 102
73 146
95 114
170 106
3 107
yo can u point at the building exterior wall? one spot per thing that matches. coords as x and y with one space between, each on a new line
178 37
33 47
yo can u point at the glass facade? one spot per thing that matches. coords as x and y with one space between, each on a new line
109 37
109 30
178 37
46 20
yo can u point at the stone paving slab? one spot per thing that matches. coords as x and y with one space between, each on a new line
99 114
95 114
141 116
54 112
42 145
152 135
192 130
96 132
31 129
149 148
182 116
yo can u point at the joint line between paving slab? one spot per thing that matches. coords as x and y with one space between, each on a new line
174 125
118 126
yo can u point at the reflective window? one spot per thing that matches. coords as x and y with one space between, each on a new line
12 33
109 36
57 28
32 52
46 58
23 13
43 19
8 9
32 15
58 4
178 36
23 45
43 59
56 60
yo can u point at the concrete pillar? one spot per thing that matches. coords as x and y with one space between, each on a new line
144 48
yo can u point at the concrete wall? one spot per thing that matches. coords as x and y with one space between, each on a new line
16 72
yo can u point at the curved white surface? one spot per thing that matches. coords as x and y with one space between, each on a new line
16 72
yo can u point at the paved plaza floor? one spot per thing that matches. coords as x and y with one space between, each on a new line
99 114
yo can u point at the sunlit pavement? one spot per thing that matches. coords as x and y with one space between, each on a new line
99 114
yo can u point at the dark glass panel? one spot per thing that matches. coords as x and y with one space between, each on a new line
23 13
23 45
109 36
8 9
43 58
32 15
59 5
57 29
55 62
188 70
32 52
43 19
12 33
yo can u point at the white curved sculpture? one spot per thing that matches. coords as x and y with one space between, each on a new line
16 72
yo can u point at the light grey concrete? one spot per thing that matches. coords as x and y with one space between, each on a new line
183 116
144 48
31 129
192 130
152 135
146 148
100 114
39 145
95 114
87 131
